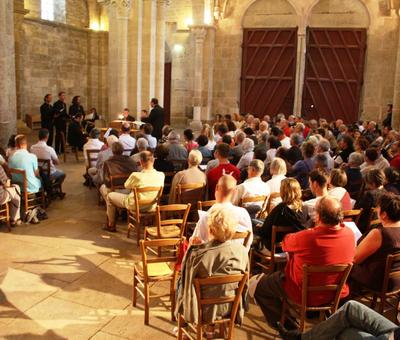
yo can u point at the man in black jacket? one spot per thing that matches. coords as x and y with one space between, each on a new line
76 138
60 121
156 118
47 117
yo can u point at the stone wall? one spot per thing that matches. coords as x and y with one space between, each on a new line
61 57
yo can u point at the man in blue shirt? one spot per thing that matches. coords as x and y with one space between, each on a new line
24 160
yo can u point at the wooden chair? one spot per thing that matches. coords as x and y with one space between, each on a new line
167 185
255 199
205 205
153 270
268 205
342 270
352 214
245 235
392 271
269 263
5 215
137 216
190 192
45 167
68 148
91 157
31 200
184 326
117 181
169 227
179 164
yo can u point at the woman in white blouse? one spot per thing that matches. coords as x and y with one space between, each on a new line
248 154
278 171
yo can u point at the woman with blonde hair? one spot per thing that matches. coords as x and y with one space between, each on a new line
290 212
207 131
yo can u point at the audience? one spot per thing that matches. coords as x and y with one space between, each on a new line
93 143
206 153
161 163
10 193
354 176
302 168
141 145
337 184
148 130
328 243
248 154
278 172
76 137
127 141
190 144
176 150
319 188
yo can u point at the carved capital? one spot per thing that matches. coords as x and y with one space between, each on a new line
118 3
199 33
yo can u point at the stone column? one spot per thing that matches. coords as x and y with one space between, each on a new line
118 13
396 90
160 51
300 70
199 35
8 107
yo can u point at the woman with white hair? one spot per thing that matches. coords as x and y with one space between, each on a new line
142 144
176 150
278 171
189 176
248 154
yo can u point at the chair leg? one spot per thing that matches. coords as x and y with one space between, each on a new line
172 298
302 321
134 291
146 303
374 301
283 313
181 322
382 304
199 335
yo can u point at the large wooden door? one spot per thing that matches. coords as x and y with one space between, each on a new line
268 71
334 73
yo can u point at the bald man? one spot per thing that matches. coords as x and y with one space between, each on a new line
329 243
224 191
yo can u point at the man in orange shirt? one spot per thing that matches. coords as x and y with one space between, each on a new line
329 243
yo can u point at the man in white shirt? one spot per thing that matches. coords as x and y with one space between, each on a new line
43 151
223 194
127 141
148 130
319 187
92 144
253 186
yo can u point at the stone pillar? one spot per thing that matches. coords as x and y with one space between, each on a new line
8 106
300 70
160 51
396 90
199 35
118 13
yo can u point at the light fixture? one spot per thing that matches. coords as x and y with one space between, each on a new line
178 48
94 25
188 22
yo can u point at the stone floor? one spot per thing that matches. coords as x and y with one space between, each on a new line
66 279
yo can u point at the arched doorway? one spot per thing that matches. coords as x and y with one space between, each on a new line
269 58
335 58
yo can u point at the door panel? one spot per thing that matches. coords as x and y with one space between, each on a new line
334 73
268 71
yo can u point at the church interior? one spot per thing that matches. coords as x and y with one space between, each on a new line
98 95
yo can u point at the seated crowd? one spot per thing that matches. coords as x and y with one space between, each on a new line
253 175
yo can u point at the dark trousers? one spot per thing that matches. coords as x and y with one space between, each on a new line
49 126
61 126
269 295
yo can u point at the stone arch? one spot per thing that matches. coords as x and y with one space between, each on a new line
338 13
277 13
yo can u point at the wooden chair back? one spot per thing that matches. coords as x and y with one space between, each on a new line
190 192
45 166
254 199
392 271
176 211
67 148
91 157
169 175
117 181
235 299
205 205
179 164
352 214
31 200
245 235
268 205
5 214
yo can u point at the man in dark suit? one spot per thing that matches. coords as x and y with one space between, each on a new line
47 117
60 121
156 118
76 138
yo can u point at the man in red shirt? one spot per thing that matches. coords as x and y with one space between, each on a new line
328 243
224 168
395 162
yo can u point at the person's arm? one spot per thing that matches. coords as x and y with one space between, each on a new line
36 167
290 243
54 157
368 246
131 182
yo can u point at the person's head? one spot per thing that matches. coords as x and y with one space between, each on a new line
125 113
61 96
221 223
111 139
277 132
328 212
76 100
227 139
299 128
222 130
174 137
43 135
21 142
318 181
202 140
146 160
346 142
114 132
361 144
142 144
389 208
188 134
296 139
263 126
338 178
308 150
95 133
371 155
148 129
222 151
278 167
320 161
248 145
195 158
126 128
338 123
144 113
225 188
392 175
117 148
356 159
374 179
161 152
260 154
255 169
239 137
153 102
291 193
48 98
274 143
166 130
11 141
323 146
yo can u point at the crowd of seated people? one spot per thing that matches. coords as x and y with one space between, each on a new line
310 173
